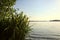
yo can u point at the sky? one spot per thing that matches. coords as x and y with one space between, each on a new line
40 9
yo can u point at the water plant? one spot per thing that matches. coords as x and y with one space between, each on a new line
13 25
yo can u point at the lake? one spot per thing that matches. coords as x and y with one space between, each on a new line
45 31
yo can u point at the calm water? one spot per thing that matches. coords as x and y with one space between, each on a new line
45 31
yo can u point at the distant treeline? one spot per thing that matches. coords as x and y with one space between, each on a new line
54 20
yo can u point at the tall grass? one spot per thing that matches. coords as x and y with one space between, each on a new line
14 27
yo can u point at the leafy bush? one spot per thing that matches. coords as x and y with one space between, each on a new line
14 27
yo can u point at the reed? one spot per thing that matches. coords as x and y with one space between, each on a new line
14 27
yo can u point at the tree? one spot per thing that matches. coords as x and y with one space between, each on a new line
6 6
13 25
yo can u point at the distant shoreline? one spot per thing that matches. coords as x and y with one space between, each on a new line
54 20
47 21
37 21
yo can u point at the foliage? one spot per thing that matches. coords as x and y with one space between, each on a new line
13 25
6 6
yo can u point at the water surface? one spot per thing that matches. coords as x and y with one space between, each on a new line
45 31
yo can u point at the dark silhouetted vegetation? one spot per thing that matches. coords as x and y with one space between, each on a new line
13 25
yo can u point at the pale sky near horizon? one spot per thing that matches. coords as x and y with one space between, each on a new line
40 9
